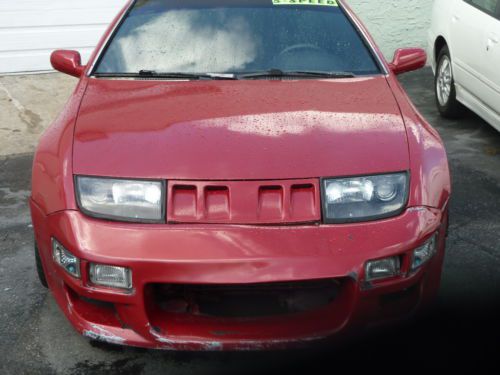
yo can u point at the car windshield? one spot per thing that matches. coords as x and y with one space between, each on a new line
236 37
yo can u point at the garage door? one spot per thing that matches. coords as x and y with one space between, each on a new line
31 29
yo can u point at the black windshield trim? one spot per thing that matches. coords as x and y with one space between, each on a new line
364 38
111 37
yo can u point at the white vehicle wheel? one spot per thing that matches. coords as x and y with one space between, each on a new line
443 81
444 87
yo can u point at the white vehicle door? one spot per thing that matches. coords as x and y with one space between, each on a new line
475 50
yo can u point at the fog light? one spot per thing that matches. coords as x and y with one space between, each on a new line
110 276
424 253
69 262
382 268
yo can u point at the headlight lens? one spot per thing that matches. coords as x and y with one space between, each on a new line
126 200
364 198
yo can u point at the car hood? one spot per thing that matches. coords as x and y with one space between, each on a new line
223 130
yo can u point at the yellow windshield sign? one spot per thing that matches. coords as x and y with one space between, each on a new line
327 3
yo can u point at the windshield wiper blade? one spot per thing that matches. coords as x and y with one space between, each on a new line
313 73
295 74
180 75
175 75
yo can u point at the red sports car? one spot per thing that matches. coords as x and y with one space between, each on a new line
236 175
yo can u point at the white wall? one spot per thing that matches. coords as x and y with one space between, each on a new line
395 23
31 29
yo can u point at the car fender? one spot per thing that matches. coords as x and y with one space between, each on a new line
430 183
52 173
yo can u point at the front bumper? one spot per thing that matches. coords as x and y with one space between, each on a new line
230 255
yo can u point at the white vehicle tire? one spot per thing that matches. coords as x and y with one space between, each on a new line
444 87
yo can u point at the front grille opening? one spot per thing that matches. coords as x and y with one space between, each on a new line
399 303
245 300
400 296
92 310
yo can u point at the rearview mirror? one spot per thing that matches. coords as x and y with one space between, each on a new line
68 62
408 59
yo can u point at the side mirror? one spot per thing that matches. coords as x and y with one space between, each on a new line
68 62
408 59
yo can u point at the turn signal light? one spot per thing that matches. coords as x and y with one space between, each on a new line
69 262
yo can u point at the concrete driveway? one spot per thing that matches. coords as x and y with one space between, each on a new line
462 330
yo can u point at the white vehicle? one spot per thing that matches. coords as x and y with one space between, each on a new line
464 51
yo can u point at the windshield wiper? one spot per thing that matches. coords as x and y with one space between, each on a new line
167 75
180 75
271 73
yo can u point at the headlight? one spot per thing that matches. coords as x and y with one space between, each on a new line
125 200
364 198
